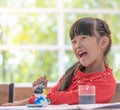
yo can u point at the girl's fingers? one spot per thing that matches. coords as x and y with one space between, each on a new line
35 83
40 80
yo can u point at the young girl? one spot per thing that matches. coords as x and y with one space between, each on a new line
91 43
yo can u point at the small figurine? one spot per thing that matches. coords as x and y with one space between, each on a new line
40 94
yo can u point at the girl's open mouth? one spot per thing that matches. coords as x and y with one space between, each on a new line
82 54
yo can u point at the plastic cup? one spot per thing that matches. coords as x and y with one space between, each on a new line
86 94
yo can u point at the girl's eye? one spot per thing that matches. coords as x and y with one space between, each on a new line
84 37
73 42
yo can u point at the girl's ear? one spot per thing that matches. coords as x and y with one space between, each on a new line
104 42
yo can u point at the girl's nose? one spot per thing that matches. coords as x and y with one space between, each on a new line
78 45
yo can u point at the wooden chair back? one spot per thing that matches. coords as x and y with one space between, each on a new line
116 97
22 93
6 93
25 92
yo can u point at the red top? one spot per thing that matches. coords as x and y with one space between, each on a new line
104 82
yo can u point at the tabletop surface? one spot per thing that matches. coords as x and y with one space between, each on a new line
110 106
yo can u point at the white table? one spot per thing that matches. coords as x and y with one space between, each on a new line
49 107
111 106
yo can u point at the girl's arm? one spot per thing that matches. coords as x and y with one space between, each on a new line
26 101
105 88
17 103
63 97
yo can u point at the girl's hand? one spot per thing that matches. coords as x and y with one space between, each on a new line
39 81
17 103
8 104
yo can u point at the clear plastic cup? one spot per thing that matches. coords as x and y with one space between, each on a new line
86 94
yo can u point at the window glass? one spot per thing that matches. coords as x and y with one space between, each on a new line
34 36
30 3
29 28
26 66
92 4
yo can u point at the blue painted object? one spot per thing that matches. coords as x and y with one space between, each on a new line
40 93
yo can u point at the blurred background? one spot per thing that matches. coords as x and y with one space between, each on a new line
34 36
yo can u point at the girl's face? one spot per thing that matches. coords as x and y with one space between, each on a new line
87 49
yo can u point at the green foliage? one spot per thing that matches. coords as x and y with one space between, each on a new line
22 66
91 4
42 29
